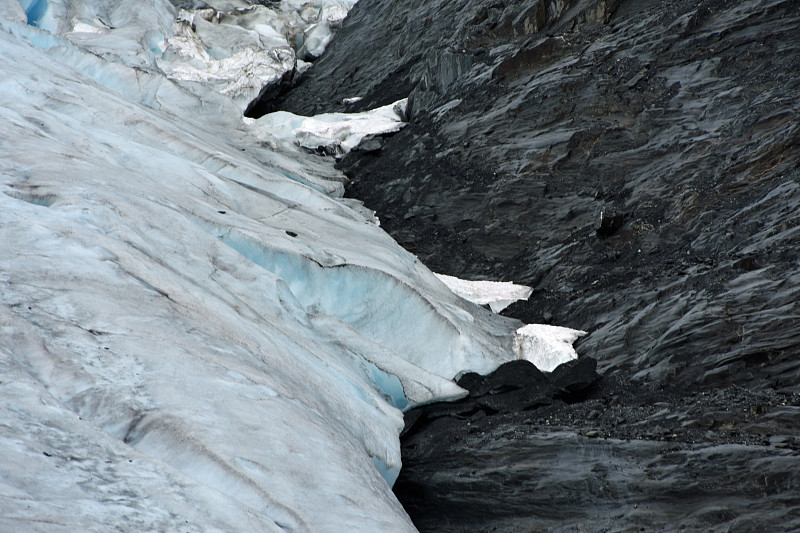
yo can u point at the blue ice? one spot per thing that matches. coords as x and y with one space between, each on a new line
35 10
390 385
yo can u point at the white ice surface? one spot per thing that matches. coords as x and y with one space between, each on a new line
239 48
335 133
319 35
233 47
496 294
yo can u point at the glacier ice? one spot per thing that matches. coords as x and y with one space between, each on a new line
235 47
318 36
240 48
195 333
214 48
34 10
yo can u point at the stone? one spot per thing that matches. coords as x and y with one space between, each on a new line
678 122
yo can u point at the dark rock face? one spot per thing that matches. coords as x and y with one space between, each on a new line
626 458
516 386
676 121
638 164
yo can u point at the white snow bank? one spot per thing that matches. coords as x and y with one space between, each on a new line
496 294
333 133
546 346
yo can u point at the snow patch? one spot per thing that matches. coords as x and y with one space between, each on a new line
332 133
546 346
496 294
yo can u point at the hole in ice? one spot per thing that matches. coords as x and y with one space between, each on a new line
35 10
45 200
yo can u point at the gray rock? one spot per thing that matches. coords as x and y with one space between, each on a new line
679 121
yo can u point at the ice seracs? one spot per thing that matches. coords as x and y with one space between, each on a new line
318 36
219 50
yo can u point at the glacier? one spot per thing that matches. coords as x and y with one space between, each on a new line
196 332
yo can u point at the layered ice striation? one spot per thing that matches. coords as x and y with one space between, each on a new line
195 333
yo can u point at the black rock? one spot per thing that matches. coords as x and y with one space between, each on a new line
608 224
626 457
369 145
574 378
513 386
265 101
676 120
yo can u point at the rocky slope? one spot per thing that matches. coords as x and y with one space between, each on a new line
638 164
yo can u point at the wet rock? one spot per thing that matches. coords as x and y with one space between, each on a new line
516 385
678 121
627 457
574 378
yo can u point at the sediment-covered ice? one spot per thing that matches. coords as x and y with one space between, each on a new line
195 334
